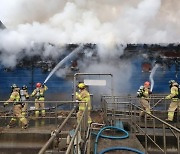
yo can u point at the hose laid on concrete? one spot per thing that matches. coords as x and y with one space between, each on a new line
121 148
113 137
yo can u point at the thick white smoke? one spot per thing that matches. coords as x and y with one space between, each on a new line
104 22
109 63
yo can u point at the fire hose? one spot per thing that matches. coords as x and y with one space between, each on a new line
114 137
157 103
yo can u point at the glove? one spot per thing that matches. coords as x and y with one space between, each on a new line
5 104
43 85
167 97
150 92
77 94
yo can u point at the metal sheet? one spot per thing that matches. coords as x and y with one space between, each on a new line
95 82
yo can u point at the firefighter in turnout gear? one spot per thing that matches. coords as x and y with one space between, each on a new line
83 95
24 96
175 101
38 93
144 93
17 107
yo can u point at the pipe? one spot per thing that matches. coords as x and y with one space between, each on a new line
157 103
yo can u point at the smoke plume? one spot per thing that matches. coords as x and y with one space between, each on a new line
103 22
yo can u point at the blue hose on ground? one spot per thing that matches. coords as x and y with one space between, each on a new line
121 148
113 137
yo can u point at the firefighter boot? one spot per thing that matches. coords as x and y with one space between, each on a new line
43 113
24 122
12 123
25 126
36 114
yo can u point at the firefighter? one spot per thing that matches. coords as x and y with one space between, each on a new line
174 92
83 95
17 108
144 94
38 93
24 97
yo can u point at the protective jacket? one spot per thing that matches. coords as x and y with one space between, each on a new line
39 93
15 98
84 96
143 92
174 92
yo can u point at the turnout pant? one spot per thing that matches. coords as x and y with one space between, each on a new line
146 106
80 113
24 109
39 106
17 109
172 107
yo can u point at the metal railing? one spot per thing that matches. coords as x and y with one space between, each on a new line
157 124
82 128
52 111
159 105
55 133
126 109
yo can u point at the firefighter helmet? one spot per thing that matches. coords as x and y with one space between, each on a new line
171 82
38 85
14 86
81 85
147 83
24 87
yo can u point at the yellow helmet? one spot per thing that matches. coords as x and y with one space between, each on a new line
81 85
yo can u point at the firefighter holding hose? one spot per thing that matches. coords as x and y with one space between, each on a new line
144 94
38 93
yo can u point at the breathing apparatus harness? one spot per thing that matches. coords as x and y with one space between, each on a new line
38 93
140 91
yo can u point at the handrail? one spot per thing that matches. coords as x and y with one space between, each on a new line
76 131
178 130
133 108
55 133
171 128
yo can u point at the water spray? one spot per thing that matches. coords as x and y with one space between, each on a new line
63 61
152 75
